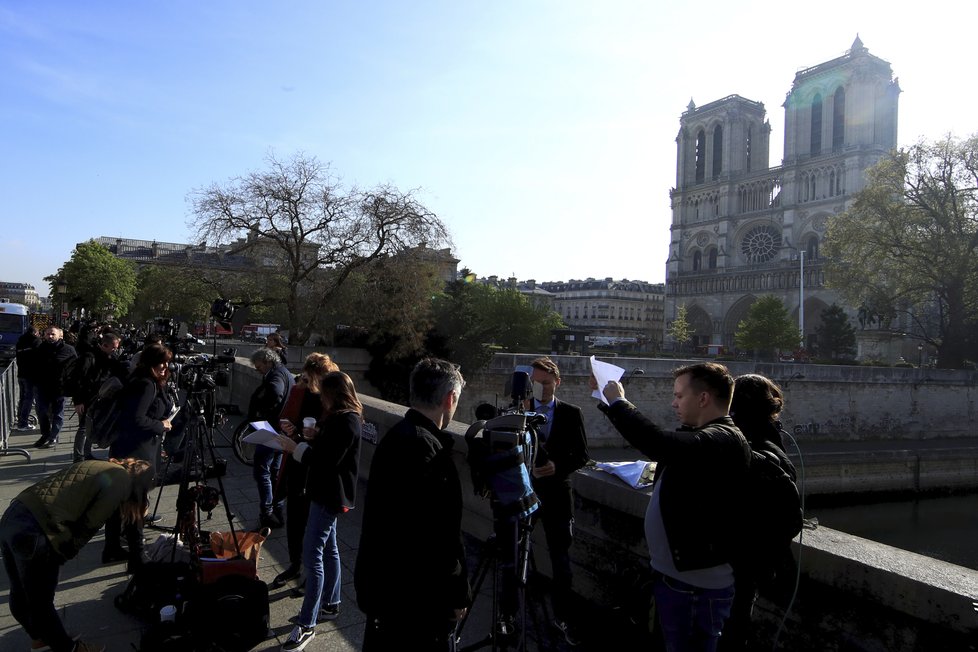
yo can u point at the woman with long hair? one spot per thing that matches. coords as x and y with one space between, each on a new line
755 408
304 401
144 418
274 342
332 454
49 522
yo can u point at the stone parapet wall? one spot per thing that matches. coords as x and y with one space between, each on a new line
822 402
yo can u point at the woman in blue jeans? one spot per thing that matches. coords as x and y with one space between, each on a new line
331 451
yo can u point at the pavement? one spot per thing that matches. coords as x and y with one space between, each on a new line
87 588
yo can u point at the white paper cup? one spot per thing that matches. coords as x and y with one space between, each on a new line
309 422
168 614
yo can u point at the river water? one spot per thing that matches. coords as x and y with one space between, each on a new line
944 527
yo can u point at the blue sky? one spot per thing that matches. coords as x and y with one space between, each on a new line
542 133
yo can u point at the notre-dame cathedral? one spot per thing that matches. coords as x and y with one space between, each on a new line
741 229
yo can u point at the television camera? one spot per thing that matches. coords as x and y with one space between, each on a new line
202 372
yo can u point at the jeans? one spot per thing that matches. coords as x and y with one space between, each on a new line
690 618
33 569
26 401
268 461
82 447
321 558
50 414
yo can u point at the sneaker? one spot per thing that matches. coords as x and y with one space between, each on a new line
329 612
267 519
565 629
153 518
26 427
298 638
44 442
82 646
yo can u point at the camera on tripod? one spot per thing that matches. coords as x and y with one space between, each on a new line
503 446
202 372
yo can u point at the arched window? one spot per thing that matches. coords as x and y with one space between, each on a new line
712 264
717 150
839 119
700 156
750 144
816 125
697 261
811 250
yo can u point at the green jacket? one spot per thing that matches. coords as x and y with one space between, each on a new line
74 503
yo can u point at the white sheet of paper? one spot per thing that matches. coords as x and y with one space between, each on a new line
264 434
604 372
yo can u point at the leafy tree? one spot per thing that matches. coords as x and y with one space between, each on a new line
909 243
96 279
177 292
768 329
389 301
471 319
836 335
297 220
680 330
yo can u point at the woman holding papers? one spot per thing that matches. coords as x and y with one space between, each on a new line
143 419
303 402
331 453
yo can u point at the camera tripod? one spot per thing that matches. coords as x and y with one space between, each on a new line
192 501
507 553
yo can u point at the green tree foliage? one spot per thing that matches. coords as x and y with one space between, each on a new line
768 329
836 335
680 329
96 279
176 292
299 222
908 246
473 319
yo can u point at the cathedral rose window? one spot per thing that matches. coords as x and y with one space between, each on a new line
761 244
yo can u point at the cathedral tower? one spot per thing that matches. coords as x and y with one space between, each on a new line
741 229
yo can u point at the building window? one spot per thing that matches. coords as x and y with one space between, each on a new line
761 244
816 125
700 156
697 261
717 151
713 258
750 144
811 251
839 119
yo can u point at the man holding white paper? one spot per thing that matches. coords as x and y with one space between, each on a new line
265 405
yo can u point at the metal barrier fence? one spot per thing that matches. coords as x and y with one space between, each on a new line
8 409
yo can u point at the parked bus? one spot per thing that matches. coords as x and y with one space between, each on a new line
14 322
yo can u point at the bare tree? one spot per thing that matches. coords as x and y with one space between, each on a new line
297 220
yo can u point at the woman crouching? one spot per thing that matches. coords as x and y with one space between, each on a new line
49 522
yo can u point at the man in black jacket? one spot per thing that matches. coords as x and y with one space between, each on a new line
51 358
562 450
26 375
696 494
410 575
93 368
266 404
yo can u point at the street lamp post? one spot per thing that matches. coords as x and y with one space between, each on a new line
61 289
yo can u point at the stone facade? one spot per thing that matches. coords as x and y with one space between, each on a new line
23 293
741 229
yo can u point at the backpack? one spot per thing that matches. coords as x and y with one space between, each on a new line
773 513
102 416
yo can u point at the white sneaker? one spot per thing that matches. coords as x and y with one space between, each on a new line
299 638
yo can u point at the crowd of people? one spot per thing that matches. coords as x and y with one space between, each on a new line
410 575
